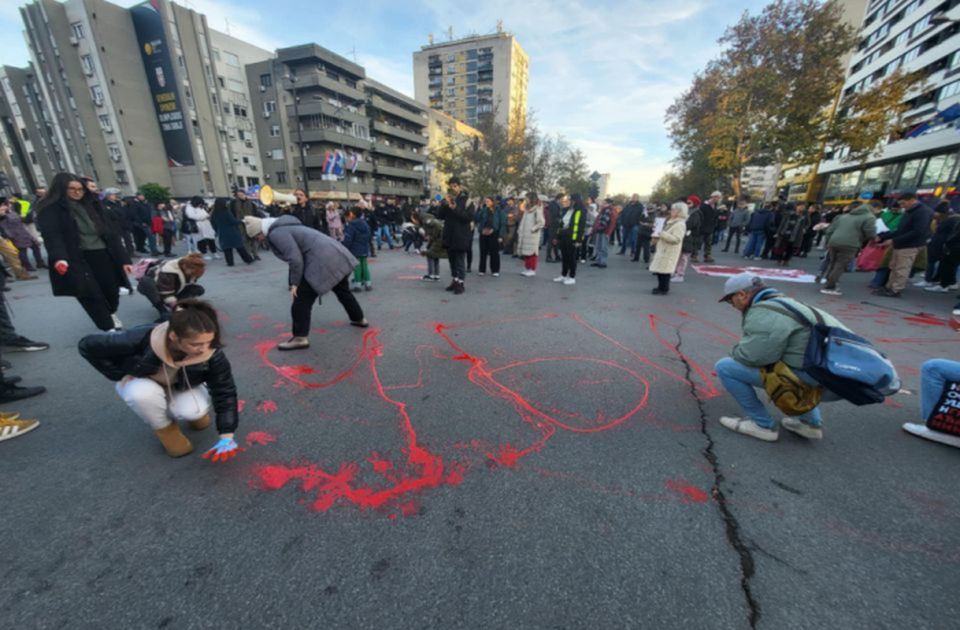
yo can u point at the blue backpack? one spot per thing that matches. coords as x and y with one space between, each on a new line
844 363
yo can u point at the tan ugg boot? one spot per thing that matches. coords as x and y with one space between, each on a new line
174 442
201 424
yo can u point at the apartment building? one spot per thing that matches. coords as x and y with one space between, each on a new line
474 77
30 153
312 106
446 131
136 95
759 182
913 35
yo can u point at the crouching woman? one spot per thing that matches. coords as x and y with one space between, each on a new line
168 373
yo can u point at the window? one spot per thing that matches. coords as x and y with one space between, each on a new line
241 134
471 90
269 107
950 89
472 54
921 25
87 62
274 131
231 59
253 181
451 80
77 29
235 85
222 82
266 80
276 154
451 91
114 152
105 123
97 94
471 78
451 57
471 66
121 177
908 177
954 60
911 54
938 169
281 177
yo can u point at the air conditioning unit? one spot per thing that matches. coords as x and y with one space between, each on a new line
115 157
74 41
266 114
248 143
267 154
263 88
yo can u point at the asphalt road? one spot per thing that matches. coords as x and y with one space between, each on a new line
527 455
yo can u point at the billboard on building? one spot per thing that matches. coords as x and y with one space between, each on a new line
158 62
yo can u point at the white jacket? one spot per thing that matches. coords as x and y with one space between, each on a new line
204 227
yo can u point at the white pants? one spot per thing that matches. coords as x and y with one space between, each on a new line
149 400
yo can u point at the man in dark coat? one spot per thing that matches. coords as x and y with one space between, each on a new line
140 217
241 207
118 214
907 241
708 225
317 264
629 222
457 233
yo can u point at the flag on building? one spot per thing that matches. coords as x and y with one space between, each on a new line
338 163
327 163
354 161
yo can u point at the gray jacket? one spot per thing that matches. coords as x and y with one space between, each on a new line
312 255
740 217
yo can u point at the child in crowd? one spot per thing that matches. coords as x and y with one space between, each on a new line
433 248
356 238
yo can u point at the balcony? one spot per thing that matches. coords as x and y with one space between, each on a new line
390 108
402 173
397 132
332 137
310 107
315 79
339 186
399 191
404 154
316 161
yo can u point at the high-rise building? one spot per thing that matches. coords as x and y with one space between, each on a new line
137 95
474 77
445 131
318 113
30 153
759 182
913 36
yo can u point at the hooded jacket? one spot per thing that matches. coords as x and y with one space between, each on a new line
853 229
142 352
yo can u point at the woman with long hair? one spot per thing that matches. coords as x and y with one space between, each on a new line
492 224
87 258
228 227
570 228
169 373
528 232
205 235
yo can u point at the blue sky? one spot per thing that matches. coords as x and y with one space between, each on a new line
602 72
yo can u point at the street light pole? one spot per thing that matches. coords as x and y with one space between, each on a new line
296 114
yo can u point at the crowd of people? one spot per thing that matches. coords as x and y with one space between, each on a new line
174 369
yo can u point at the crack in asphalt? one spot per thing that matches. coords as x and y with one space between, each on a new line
732 525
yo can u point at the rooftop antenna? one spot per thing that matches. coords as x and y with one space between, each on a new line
450 34
227 22
430 38
353 53
500 26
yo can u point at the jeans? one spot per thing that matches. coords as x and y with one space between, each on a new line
643 247
602 248
741 380
384 233
433 266
754 244
629 238
306 296
934 374
149 400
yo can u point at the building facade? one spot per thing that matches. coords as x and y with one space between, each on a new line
475 77
759 182
445 131
912 35
324 126
135 94
30 154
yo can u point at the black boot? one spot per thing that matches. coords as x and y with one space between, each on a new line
11 393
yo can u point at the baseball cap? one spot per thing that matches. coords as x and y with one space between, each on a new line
740 282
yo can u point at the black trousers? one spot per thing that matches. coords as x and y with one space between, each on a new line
306 296
207 245
167 238
568 255
127 236
734 231
105 297
469 253
663 282
643 248
244 254
140 238
490 247
457 264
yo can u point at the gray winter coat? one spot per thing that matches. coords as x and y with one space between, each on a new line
312 255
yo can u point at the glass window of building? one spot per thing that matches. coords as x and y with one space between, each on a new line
939 169
471 66
97 94
471 89
274 131
472 53
451 68
876 179
266 80
451 80
77 29
472 78
950 89
105 123
908 176
235 85
451 57
87 62
231 59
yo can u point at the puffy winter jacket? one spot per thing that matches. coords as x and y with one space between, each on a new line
853 229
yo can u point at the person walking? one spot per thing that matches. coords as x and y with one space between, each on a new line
241 208
173 372
317 264
491 221
457 220
529 230
790 233
708 224
570 230
87 258
669 243
847 233
228 229
907 240
737 224
205 235
356 238
603 227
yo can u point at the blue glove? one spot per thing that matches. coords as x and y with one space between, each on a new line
223 450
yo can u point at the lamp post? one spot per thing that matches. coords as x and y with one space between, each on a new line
296 114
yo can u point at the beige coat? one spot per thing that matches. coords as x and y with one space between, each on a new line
668 247
528 234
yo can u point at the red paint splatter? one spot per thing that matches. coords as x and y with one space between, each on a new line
267 406
260 438
241 404
927 320
296 370
409 508
688 493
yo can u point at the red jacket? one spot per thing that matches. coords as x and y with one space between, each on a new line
156 225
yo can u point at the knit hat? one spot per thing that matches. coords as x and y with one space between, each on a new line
255 226
693 200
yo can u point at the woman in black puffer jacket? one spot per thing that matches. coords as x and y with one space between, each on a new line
169 372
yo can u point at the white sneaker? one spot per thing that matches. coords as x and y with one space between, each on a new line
937 289
830 292
480 273
560 279
495 275
117 324
802 429
527 273
217 257
124 291
922 283
676 279
207 257
954 287
570 281
749 427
